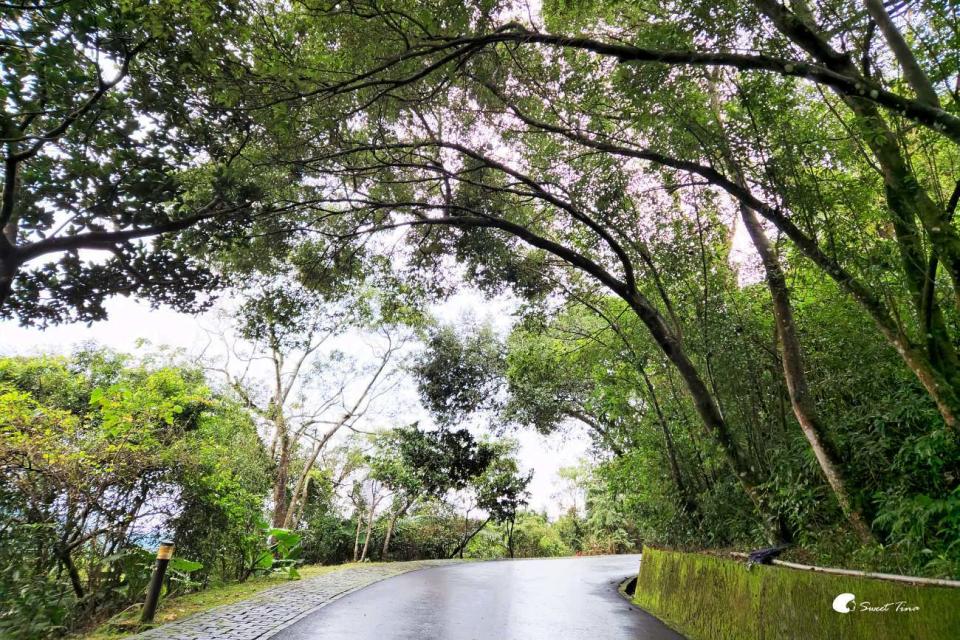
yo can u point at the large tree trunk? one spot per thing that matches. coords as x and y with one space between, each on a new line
8 272
9 263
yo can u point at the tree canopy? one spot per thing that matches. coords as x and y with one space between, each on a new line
727 231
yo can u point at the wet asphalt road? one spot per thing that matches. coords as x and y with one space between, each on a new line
552 599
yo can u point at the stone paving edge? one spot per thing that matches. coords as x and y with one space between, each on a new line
426 564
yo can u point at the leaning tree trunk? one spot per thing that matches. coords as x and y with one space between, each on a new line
797 387
299 494
75 581
939 369
686 494
386 538
390 527
709 412
297 507
463 543
912 70
669 343
801 400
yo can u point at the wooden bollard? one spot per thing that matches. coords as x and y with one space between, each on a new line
164 553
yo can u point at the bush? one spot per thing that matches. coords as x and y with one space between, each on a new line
36 602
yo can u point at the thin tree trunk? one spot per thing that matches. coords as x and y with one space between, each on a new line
390 527
75 580
298 507
298 496
300 487
689 502
356 538
366 540
386 538
707 408
351 413
708 477
797 387
463 543
804 406
912 71
928 306
280 481
713 420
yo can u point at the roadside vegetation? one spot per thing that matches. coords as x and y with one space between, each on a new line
105 454
725 234
180 606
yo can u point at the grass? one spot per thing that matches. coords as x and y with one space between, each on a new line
124 624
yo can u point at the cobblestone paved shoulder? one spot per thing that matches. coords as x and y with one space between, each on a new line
278 607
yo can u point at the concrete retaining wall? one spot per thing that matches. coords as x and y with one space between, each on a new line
709 598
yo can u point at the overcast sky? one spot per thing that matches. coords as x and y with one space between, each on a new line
131 322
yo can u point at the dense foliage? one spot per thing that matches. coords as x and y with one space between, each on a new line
113 144
102 456
727 228
664 478
619 170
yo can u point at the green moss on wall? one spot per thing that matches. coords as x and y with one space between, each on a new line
708 598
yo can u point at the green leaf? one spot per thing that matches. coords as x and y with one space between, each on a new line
184 565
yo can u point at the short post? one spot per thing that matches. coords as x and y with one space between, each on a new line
164 553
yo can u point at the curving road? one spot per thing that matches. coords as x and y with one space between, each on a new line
551 599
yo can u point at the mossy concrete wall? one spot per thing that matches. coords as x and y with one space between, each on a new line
709 598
